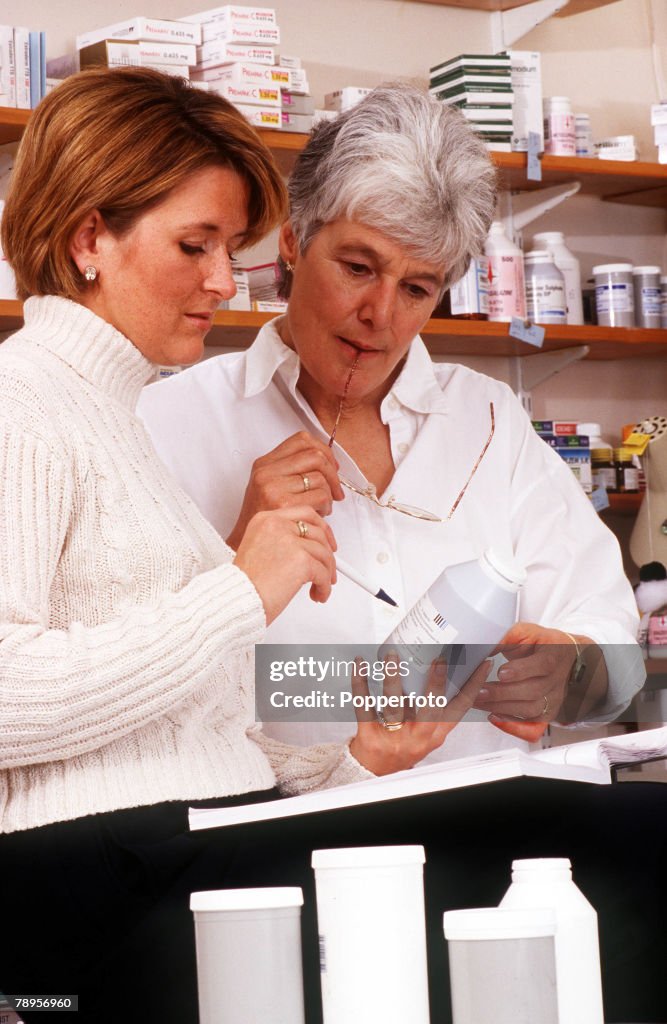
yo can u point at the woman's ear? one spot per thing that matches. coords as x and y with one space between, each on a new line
83 246
287 244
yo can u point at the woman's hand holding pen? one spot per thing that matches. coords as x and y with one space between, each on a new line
301 471
282 550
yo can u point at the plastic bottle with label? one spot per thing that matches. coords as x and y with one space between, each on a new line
469 297
507 295
647 296
545 289
463 615
560 137
603 470
547 882
568 264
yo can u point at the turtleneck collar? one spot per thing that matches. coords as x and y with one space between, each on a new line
91 346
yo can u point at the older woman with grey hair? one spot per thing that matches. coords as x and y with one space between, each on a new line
419 465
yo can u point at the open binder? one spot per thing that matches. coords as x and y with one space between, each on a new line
600 761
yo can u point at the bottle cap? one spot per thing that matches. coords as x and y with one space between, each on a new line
549 236
646 270
591 429
512 575
601 454
246 899
368 856
623 454
613 268
538 256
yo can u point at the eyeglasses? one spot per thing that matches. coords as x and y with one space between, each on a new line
411 510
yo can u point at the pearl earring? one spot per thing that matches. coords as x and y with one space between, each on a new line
90 273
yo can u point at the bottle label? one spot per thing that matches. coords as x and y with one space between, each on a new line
545 300
471 293
616 298
560 135
423 624
650 300
604 477
506 287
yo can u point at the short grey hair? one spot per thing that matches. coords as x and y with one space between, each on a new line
405 164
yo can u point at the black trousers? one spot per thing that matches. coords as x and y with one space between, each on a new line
100 907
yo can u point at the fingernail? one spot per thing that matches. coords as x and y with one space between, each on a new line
483 694
505 673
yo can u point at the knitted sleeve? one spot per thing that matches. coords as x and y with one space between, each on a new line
64 692
300 769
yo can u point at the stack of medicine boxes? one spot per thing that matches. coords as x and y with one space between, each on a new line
573 448
237 60
166 46
481 86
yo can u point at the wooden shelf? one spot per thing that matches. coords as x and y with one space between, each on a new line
12 124
632 182
447 337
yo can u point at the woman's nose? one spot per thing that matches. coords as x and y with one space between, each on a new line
220 275
377 308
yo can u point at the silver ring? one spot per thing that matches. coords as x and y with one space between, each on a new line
389 726
545 709
306 483
303 529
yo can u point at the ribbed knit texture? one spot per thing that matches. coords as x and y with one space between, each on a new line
126 662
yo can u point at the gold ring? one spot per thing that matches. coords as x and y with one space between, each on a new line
306 482
303 529
389 726
545 709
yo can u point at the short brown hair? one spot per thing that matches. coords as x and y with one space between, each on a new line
119 140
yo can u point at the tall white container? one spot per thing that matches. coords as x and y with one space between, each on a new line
372 934
507 289
568 264
547 882
471 604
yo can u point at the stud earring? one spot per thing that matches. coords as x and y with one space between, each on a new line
90 273
289 266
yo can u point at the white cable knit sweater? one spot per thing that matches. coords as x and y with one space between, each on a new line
126 662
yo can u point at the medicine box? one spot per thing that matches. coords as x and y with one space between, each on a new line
260 117
527 110
555 426
298 82
144 28
113 52
343 99
246 74
257 95
234 12
298 104
296 122
240 32
230 53
471 61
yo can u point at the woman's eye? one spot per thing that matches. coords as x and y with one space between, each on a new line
417 292
191 250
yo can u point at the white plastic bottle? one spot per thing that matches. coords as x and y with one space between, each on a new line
568 264
545 289
466 611
560 138
507 296
548 882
